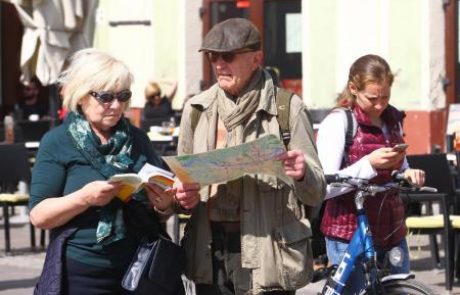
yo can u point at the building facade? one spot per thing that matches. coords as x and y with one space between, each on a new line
311 43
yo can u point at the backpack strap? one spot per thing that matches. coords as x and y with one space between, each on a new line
283 104
350 132
351 127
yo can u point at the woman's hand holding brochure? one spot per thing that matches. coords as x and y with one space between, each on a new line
133 182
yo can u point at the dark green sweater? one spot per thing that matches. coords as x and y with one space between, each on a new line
61 169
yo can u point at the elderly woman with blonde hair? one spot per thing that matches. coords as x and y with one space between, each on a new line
94 234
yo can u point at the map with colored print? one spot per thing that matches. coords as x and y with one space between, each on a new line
258 156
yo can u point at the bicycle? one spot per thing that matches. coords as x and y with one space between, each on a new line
361 246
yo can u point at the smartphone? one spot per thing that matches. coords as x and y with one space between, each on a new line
400 147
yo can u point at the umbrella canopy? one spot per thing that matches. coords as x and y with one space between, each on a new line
53 29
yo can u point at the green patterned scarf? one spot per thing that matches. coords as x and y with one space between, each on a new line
108 159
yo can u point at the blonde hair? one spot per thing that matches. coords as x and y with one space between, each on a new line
152 89
92 70
366 69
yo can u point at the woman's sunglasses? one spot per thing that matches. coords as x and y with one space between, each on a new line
153 96
108 96
228 57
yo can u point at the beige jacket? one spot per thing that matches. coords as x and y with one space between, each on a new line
275 231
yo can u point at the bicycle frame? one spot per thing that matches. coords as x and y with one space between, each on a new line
361 249
361 243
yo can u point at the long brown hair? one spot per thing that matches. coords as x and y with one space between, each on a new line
369 68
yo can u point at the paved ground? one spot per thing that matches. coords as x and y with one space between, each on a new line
20 269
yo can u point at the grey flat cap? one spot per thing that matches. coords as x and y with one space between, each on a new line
230 35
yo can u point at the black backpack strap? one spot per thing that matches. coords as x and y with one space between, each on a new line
349 133
283 104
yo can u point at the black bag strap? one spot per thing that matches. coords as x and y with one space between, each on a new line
349 133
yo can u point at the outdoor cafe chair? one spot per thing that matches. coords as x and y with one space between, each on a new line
438 175
14 167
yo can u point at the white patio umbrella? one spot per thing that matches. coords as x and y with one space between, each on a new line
53 29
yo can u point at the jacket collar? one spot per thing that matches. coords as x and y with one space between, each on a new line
267 102
206 98
390 116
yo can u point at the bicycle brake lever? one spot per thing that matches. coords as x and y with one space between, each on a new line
399 178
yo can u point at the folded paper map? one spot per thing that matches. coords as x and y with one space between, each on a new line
258 156
148 174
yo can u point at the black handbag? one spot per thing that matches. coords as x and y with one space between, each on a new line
156 267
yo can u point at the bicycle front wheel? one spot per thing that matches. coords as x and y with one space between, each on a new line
409 287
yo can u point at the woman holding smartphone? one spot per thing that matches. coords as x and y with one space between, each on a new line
377 150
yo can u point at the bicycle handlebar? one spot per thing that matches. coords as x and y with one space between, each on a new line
400 183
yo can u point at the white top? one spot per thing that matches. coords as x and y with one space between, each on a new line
331 144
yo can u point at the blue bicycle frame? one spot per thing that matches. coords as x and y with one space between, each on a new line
361 249
361 243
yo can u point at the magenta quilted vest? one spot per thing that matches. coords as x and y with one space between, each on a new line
385 210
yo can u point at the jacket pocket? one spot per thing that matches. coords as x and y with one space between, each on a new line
293 254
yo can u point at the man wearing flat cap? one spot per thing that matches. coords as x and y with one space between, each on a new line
250 235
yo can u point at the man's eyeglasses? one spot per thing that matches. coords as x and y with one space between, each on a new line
228 57
109 96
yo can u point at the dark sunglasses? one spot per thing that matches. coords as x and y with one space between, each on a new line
228 57
153 96
108 96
